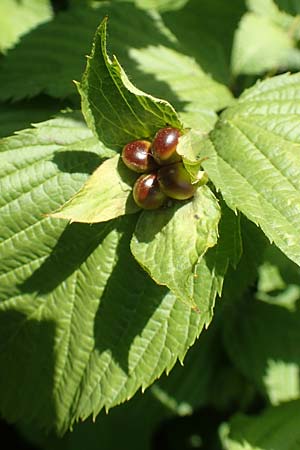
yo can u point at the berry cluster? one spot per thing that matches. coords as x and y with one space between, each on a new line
164 175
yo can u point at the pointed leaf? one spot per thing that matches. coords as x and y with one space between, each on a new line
253 158
105 196
114 109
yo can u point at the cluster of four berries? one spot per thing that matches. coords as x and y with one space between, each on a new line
164 175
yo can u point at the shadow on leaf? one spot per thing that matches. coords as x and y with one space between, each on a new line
27 360
73 247
77 161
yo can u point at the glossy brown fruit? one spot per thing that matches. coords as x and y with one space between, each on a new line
138 157
175 182
147 193
164 146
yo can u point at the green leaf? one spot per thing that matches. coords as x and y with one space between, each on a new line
136 423
17 18
280 12
86 336
197 94
52 65
253 159
17 116
105 196
291 6
266 351
206 30
114 109
169 243
156 62
242 277
159 5
275 428
189 387
276 47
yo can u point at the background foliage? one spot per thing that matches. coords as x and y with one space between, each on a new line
182 324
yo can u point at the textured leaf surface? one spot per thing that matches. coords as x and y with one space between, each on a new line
17 18
275 428
116 110
253 158
191 386
146 48
197 94
88 325
105 196
170 242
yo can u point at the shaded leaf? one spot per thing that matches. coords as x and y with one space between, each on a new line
17 18
159 5
156 62
52 65
273 429
206 30
266 351
198 95
17 116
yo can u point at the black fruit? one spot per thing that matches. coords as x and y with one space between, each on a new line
147 193
164 146
138 157
175 182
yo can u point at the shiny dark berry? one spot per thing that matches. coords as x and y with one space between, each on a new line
175 182
138 157
147 193
164 146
